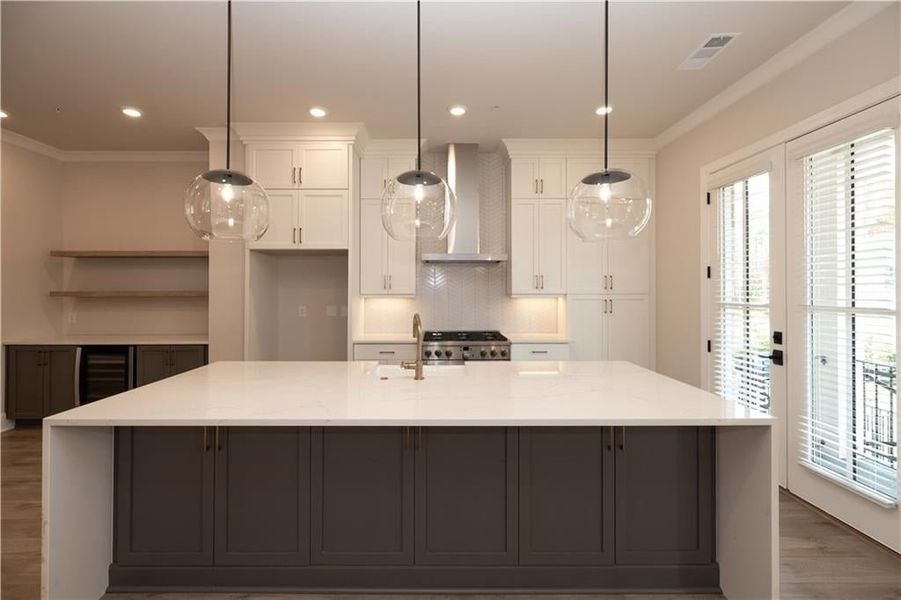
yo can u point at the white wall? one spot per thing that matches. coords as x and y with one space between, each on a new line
863 58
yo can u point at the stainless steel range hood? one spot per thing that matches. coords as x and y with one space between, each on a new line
463 240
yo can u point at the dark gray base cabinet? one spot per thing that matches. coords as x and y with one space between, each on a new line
41 381
159 362
415 509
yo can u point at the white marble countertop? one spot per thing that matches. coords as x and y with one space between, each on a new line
355 394
107 340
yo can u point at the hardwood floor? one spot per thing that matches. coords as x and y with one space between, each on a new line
820 559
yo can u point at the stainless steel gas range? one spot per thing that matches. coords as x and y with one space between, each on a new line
454 347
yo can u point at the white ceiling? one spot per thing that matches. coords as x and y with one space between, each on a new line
524 69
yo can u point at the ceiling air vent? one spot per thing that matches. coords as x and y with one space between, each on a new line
705 53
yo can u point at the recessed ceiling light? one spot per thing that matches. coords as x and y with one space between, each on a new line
3 114
318 112
134 113
603 110
458 110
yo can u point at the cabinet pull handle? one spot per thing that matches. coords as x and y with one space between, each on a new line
384 183
541 190
300 235
622 440
294 235
611 282
611 306
205 446
542 281
406 438
605 306
390 285
539 351
606 282
536 186
610 440
218 442
535 281
387 352
300 175
293 174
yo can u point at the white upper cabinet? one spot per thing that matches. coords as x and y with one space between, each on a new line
375 172
537 247
586 265
307 219
387 266
538 177
301 165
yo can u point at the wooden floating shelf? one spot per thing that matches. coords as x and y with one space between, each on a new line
129 294
130 253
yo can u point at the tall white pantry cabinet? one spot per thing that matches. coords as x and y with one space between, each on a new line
608 286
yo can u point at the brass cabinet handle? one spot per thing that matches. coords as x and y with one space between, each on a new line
605 306
300 175
218 442
622 440
406 438
541 190
536 186
293 174
389 282
294 235
611 282
610 439
611 306
542 281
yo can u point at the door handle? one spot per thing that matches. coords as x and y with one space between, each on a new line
294 235
611 282
611 306
536 187
300 175
300 235
293 174
605 306
778 357
605 281
541 189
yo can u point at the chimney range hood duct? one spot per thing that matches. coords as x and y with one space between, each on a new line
463 239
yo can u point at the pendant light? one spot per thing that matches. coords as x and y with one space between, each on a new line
224 204
418 204
613 203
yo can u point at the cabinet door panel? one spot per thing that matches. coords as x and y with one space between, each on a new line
323 219
362 496
466 487
153 363
282 221
61 392
273 165
552 175
322 166
373 250
577 168
27 383
566 496
262 496
186 358
401 261
524 175
400 164
664 496
552 246
628 263
628 334
585 320
524 246
373 176
585 265
164 496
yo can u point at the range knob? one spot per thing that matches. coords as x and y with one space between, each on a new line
483 353
493 353
448 353
503 354
427 353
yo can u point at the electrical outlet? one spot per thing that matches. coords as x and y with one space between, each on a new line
302 310
331 310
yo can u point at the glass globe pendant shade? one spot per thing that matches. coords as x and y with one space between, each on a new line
611 204
418 204
227 205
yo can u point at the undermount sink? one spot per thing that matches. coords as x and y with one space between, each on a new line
396 372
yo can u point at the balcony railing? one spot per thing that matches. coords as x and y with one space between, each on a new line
876 405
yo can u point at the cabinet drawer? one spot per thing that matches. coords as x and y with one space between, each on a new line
385 353
539 352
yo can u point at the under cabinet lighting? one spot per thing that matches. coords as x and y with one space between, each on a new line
458 110
132 112
603 110
3 114
318 112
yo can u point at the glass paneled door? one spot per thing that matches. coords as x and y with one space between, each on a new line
745 285
843 261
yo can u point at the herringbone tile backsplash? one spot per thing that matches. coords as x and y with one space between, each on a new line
467 296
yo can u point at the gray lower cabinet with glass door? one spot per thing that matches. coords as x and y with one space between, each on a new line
41 381
416 509
159 362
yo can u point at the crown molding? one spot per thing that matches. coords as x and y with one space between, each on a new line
37 147
621 147
805 46
392 147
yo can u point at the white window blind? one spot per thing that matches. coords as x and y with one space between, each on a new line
741 292
850 429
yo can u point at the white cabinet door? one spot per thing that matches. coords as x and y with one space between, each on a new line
524 247
322 166
628 264
551 238
524 175
585 265
552 178
401 265
585 320
373 250
273 165
627 328
373 175
577 168
323 219
282 224
398 165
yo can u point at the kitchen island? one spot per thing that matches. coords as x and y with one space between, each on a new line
502 476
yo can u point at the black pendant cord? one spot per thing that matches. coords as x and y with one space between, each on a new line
228 94
418 93
606 79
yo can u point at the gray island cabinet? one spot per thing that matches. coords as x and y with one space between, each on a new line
439 508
